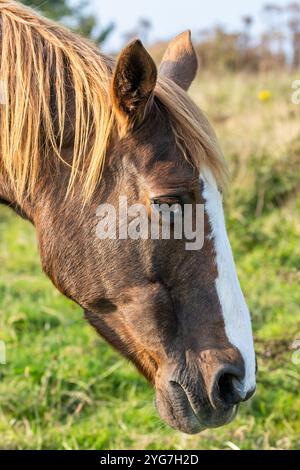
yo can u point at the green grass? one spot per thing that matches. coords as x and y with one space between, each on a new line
64 388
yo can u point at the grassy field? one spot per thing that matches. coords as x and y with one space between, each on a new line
64 388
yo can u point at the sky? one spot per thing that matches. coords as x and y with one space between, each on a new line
169 17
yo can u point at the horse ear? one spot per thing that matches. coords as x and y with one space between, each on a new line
133 83
179 62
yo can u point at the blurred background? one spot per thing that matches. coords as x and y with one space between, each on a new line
62 386
237 35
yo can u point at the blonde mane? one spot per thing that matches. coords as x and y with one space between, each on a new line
37 55
194 134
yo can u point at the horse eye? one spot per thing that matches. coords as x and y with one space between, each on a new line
169 208
165 203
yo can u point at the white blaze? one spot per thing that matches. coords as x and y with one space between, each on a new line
234 308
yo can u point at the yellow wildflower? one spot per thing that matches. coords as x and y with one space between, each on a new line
264 95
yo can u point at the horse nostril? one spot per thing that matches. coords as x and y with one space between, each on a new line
249 394
226 389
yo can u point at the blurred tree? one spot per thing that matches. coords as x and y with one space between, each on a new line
141 30
293 12
54 9
274 37
76 16
144 27
247 22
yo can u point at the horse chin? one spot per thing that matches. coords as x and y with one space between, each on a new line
180 414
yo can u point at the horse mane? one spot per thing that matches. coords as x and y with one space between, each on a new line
194 134
42 64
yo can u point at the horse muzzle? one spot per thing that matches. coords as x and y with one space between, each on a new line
189 404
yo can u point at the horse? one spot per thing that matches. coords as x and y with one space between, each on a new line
79 129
